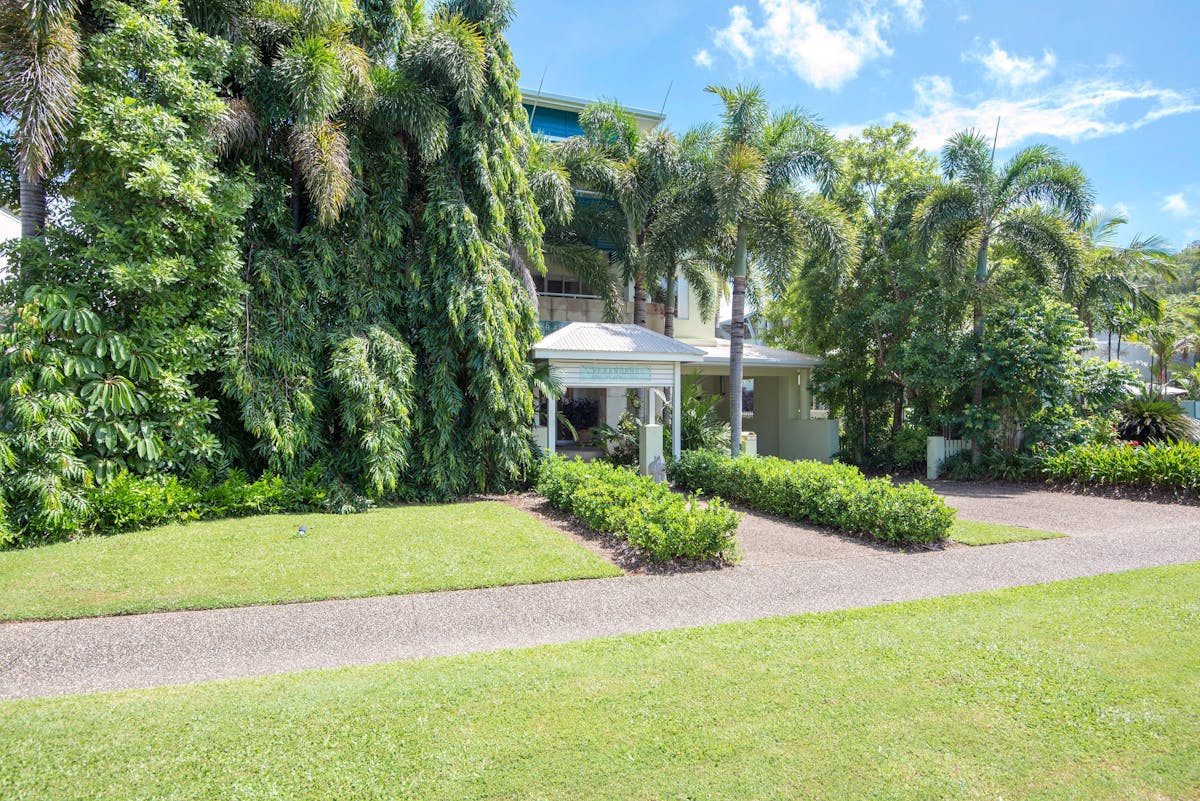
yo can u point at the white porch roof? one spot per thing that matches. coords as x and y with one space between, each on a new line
756 355
614 342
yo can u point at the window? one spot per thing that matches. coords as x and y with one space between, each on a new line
747 397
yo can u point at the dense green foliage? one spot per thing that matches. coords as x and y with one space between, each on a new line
292 239
660 523
120 313
1168 467
836 495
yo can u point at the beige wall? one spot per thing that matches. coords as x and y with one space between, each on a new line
591 310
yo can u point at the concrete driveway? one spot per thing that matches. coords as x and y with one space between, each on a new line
788 570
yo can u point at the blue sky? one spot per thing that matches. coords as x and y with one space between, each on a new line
1115 85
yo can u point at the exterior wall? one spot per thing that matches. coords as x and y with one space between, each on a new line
1133 354
693 327
591 310
10 228
781 419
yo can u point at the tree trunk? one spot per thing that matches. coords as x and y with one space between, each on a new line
33 207
669 305
737 337
981 274
639 302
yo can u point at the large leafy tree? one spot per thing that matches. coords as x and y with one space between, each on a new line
39 86
1029 205
756 162
125 308
874 328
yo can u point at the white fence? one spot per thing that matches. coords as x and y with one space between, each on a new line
938 450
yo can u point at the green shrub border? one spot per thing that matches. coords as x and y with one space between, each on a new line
659 523
1166 467
835 495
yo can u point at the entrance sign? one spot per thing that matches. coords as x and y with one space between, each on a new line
597 372
630 375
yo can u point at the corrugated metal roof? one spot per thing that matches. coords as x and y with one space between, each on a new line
758 355
613 340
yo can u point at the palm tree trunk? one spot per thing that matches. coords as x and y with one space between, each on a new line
981 274
639 302
669 306
33 207
737 337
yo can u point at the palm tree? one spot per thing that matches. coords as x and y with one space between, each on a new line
39 83
629 171
309 77
681 239
1106 275
756 161
1029 205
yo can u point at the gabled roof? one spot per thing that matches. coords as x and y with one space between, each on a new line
614 342
756 355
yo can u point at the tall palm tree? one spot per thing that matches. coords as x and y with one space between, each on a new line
629 171
1029 205
756 162
39 83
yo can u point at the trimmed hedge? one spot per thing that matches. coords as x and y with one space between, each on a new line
1173 468
658 522
836 495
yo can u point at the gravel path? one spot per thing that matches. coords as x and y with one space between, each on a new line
787 570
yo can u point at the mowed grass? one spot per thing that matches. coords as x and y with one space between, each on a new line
257 560
1085 689
974 532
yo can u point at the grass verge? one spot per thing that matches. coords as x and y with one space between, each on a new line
1080 689
974 532
258 560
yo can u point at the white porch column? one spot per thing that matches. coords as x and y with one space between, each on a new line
551 424
676 413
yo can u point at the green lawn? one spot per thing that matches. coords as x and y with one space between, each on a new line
1085 689
974 532
259 560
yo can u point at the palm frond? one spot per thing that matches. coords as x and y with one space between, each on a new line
323 156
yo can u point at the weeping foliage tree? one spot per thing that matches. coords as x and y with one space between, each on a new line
387 323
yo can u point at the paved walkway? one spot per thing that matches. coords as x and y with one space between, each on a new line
819 573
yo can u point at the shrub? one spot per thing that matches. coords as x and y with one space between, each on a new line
836 495
1173 467
129 502
1149 416
658 522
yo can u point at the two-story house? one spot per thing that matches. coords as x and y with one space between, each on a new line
601 361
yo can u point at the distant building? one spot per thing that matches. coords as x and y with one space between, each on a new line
10 228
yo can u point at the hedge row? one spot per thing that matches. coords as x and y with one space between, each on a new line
1173 468
658 522
834 495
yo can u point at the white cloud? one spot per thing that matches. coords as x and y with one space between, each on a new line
821 51
1072 110
914 11
703 58
1011 70
1177 205
735 37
